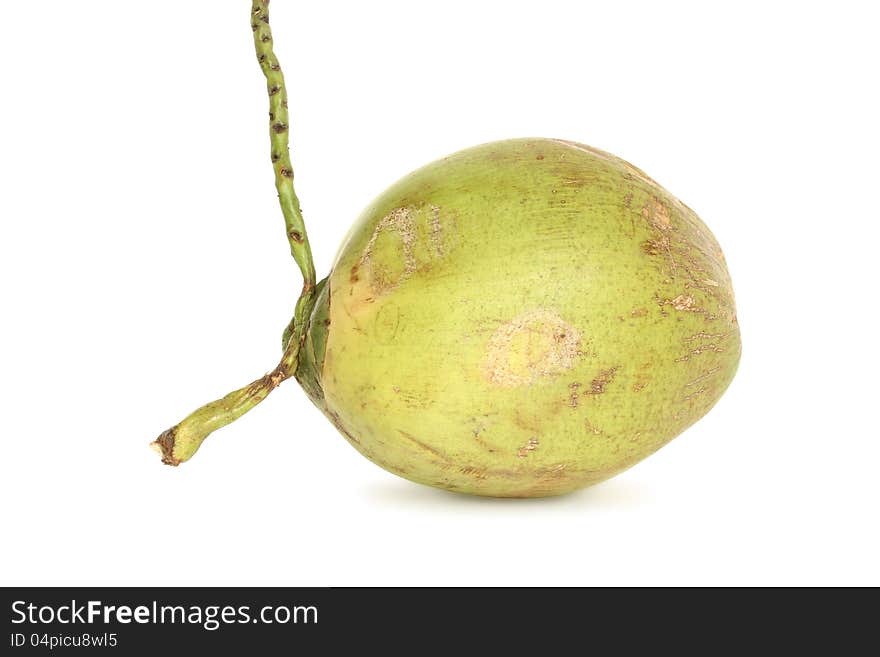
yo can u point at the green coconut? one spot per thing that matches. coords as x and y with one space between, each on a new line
519 319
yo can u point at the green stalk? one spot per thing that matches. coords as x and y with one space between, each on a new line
279 136
181 441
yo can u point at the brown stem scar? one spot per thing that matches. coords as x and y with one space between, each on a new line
164 444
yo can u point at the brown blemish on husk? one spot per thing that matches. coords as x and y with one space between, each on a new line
422 239
531 346
642 377
413 400
573 394
686 303
471 471
572 182
436 232
689 255
477 430
714 346
696 393
400 221
530 446
652 247
602 380
706 336
424 446
657 214
337 422
632 171
592 428
489 447
705 375
553 472
708 348
682 302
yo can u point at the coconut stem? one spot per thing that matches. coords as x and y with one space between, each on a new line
279 136
181 441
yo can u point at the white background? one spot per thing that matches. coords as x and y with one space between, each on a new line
145 271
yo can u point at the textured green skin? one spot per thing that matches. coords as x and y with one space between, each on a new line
521 319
